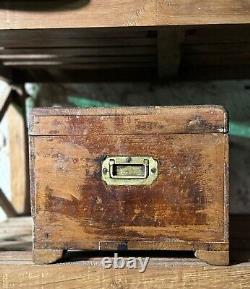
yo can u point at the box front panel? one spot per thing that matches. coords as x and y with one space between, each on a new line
75 208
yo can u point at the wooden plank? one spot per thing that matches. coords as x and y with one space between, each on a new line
161 273
19 202
76 34
6 205
123 13
93 51
17 139
16 234
81 39
90 66
79 59
211 52
15 256
186 12
186 119
85 269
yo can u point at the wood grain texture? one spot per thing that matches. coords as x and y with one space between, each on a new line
186 208
79 49
15 234
188 196
161 273
122 13
219 258
46 256
84 269
17 138
132 120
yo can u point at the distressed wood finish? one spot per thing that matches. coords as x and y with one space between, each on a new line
127 121
17 271
186 208
121 13
18 146
85 269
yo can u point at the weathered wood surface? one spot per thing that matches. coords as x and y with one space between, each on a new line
186 208
16 234
11 107
161 273
17 141
14 230
6 205
133 120
84 270
122 13
199 52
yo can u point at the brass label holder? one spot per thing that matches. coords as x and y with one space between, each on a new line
129 170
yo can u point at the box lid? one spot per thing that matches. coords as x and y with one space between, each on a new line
129 120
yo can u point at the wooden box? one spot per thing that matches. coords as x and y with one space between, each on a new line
137 178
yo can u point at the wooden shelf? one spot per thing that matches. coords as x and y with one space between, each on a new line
126 54
120 13
83 270
118 40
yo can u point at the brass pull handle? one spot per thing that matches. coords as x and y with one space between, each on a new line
127 170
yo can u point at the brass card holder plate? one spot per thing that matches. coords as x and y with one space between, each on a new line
129 170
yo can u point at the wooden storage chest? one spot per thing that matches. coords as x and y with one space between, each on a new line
134 178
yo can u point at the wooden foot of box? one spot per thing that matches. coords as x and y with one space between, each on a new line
219 258
47 256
